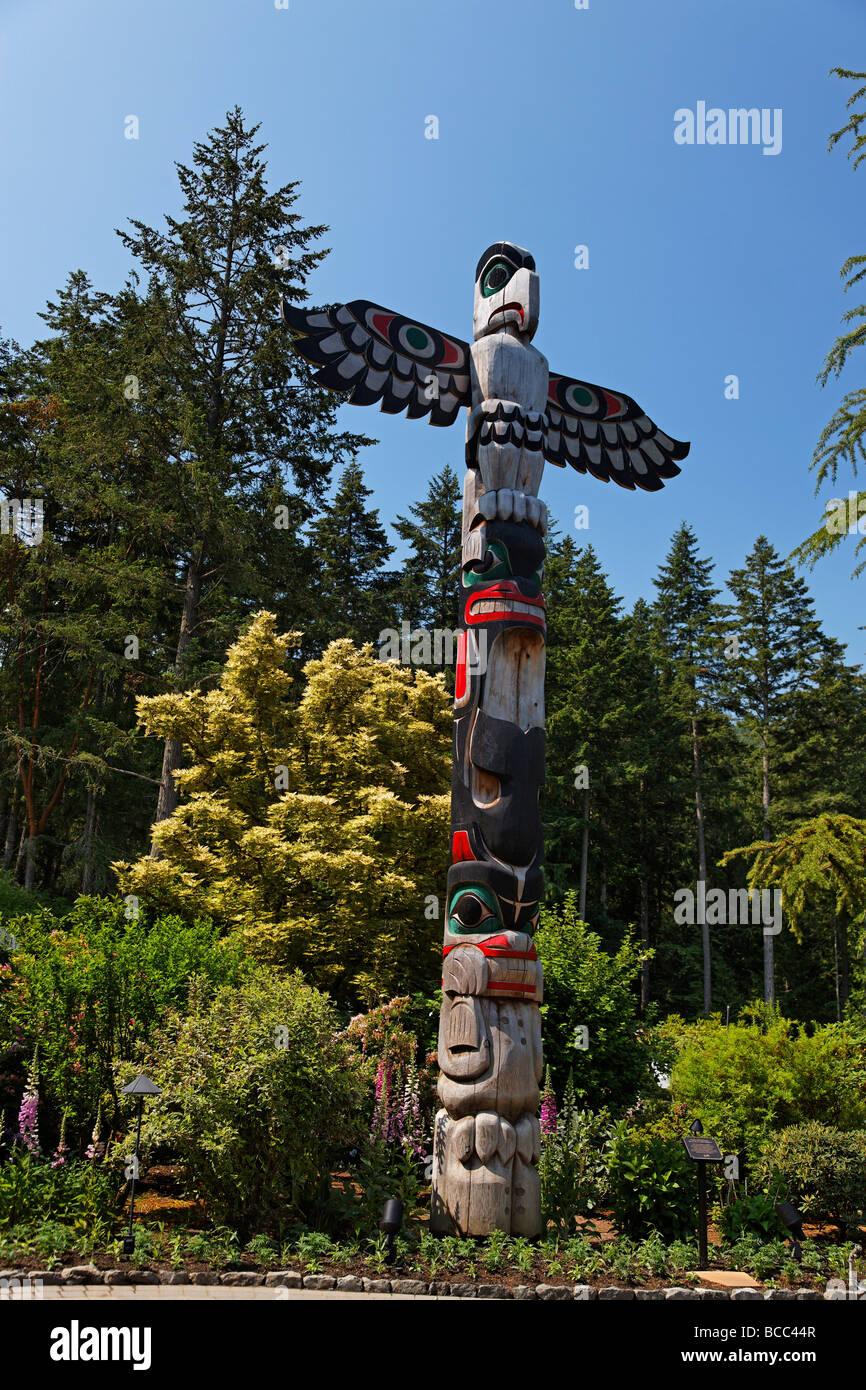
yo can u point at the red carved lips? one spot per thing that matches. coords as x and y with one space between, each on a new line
504 600
505 307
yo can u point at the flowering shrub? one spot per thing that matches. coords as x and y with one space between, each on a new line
89 989
76 1193
260 1097
394 1158
572 1162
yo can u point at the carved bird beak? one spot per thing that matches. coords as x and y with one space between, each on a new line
504 310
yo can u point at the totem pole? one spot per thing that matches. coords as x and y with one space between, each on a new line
487 1136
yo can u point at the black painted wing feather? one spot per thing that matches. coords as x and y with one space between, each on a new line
607 434
373 354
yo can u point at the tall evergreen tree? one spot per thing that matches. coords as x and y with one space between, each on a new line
430 583
778 649
651 756
353 593
79 626
689 621
587 715
238 412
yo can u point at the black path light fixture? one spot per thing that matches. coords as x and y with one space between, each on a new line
792 1220
392 1220
142 1086
702 1150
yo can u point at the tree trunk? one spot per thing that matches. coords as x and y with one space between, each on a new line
30 862
19 857
769 955
644 906
844 961
172 754
702 868
89 819
584 856
644 934
11 831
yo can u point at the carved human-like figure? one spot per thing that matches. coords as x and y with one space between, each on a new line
487 1136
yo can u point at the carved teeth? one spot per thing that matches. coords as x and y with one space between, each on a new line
505 605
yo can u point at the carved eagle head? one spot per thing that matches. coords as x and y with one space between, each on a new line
506 291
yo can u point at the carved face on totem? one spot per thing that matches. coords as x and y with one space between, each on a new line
506 291
495 881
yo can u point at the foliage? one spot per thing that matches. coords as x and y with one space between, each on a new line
765 1073
842 439
393 1160
821 1169
78 1195
651 1184
430 583
583 985
820 855
259 1097
15 901
333 871
572 1166
751 1213
352 595
389 1054
90 988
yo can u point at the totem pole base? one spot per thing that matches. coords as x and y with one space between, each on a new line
472 1197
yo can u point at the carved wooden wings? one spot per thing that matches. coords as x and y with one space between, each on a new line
373 354
606 433
377 355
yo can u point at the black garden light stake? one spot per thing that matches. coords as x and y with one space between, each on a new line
392 1220
792 1220
142 1086
702 1150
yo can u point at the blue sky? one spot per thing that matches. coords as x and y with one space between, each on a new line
556 129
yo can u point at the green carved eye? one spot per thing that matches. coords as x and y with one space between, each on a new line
496 277
492 568
474 910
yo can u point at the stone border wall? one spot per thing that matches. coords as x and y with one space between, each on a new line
351 1283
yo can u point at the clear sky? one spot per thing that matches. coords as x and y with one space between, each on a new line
555 130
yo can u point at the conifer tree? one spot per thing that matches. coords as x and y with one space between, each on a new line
777 652
430 582
586 716
354 594
822 859
238 413
78 630
689 621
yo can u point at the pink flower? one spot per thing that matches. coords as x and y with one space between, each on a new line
28 1121
548 1107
